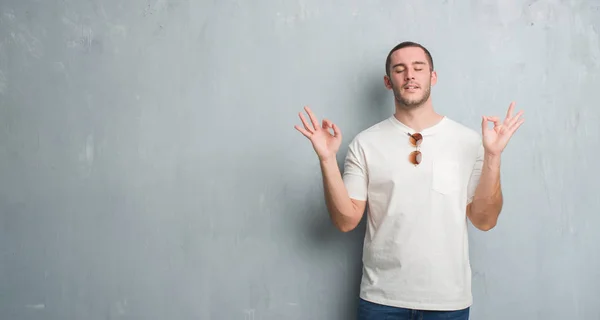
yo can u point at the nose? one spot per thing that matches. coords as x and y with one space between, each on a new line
409 75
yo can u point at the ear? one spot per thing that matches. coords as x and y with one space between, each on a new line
387 82
433 78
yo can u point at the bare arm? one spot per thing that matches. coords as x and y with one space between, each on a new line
487 202
345 212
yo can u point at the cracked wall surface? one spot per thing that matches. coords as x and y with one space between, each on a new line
150 168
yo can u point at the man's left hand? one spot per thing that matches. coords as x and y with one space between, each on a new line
496 138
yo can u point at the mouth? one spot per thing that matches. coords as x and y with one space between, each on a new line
411 87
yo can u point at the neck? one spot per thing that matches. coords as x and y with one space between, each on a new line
418 118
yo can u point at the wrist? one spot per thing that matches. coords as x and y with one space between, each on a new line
328 159
491 160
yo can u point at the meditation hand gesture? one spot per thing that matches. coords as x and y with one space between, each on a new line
325 144
496 138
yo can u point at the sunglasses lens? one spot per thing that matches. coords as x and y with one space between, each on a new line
416 139
415 157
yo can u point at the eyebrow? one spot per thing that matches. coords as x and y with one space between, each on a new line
414 63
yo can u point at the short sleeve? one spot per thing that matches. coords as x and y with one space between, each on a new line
475 174
355 173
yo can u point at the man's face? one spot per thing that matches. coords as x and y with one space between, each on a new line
410 77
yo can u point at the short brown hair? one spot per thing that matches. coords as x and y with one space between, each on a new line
404 45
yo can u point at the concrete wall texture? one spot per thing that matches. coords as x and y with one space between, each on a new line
150 168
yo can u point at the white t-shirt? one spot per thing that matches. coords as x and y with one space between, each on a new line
415 252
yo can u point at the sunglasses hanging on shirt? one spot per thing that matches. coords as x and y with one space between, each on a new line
415 140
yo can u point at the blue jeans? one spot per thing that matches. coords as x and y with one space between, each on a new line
373 311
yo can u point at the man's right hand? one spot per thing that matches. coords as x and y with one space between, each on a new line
326 145
345 212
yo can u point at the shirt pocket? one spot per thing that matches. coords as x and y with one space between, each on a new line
446 176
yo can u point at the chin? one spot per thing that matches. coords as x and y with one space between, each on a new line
411 100
411 103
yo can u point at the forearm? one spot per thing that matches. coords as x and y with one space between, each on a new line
344 213
487 201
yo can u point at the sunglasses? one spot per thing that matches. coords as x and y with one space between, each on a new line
415 140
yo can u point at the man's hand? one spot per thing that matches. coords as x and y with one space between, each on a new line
496 139
326 145
345 212
487 202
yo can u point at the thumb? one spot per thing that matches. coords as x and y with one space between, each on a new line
337 133
483 123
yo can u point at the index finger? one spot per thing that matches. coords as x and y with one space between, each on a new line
486 119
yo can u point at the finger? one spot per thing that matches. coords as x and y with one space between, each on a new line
495 120
305 123
510 110
484 122
326 125
337 133
514 119
303 131
492 119
516 125
312 117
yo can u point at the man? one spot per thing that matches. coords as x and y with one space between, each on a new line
423 175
